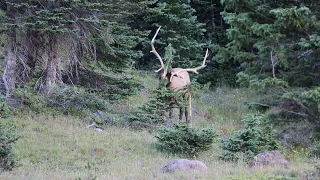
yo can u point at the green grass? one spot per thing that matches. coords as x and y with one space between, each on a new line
223 108
61 147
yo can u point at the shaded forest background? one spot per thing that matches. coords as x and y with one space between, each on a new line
54 50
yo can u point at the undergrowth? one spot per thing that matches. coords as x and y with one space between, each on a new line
184 140
256 137
61 147
8 136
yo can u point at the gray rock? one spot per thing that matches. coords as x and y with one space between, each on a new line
183 165
296 135
269 158
139 125
96 127
105 117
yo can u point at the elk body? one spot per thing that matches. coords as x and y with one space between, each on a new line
178 79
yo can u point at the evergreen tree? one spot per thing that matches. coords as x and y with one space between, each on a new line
266 36
276 44
219 71
180 28
208 13
70 37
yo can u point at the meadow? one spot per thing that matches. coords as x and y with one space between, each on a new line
62 147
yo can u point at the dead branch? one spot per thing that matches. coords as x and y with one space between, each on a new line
274 62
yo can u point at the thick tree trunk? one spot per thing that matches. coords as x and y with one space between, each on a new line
51 69
9 75
33 46
76 54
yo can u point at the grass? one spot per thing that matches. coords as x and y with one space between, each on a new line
223 108
61 147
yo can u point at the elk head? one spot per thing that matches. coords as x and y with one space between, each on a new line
177 78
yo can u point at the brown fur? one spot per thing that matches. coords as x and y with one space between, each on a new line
177 78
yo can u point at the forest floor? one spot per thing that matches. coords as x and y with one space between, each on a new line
62 147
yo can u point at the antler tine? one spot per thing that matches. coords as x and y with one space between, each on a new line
205 58
154 50
195 70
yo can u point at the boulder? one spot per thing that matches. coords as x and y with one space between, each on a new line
269 158
296 135
96 127
138 125
102 115
183 165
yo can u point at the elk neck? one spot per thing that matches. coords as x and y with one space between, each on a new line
178 81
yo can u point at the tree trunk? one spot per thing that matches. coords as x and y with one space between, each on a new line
51 70
33 46
9 75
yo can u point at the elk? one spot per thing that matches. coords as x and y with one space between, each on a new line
178 79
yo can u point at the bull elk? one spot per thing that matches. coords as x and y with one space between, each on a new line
178 79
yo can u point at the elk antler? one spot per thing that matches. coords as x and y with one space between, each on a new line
156 53
195 70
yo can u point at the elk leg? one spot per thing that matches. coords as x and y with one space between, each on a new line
186 114
190 109
180 114
170 110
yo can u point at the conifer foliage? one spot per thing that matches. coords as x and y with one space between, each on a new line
184 140
256 137
8 136
276 44
54 41
180 27
267 45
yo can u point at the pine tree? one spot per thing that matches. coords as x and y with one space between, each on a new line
277 46
208 13
267 37
180 28
73 36
218 71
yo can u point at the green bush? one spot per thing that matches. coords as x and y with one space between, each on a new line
30 98
162 99
75 101
256 137
7 137
184 140
4 109
315 150
149 113
154 110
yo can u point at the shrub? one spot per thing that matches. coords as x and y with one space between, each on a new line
184 140
315 150
74 100
7 137
30 98
154 110
4 109
256 137
162 99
